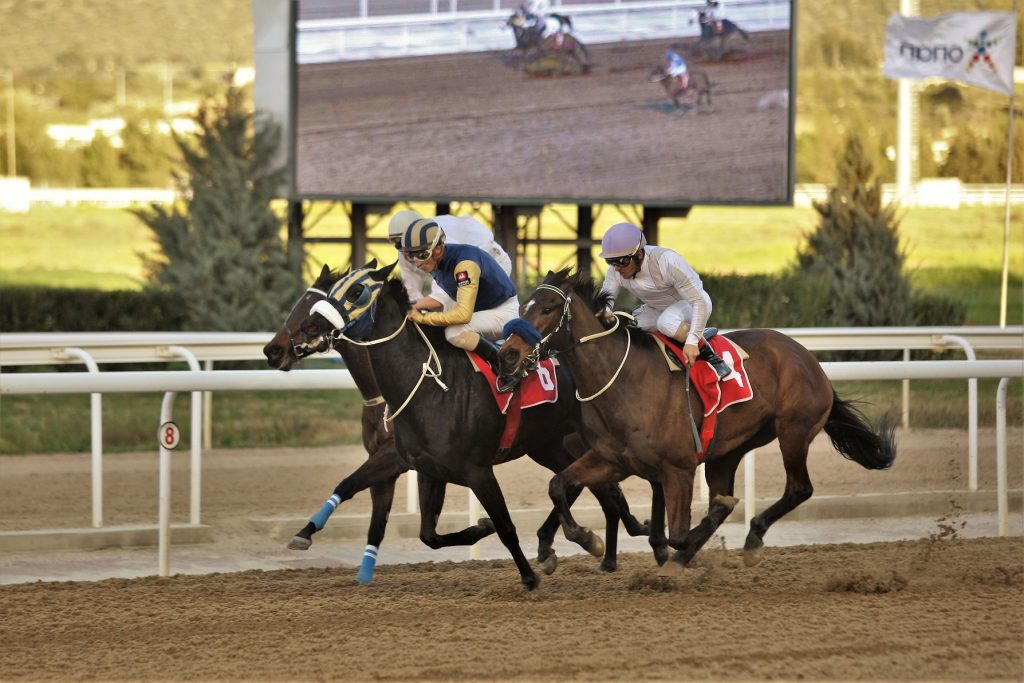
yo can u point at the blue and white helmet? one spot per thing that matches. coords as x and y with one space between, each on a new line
400 222
622 239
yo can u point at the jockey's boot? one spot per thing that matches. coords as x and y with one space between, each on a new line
487 350
708 354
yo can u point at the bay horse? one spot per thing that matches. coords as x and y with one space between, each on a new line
712 32
676 88
638 422
447 426
562 53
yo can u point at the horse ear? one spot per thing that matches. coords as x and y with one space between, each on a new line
381 274
372 264
325 272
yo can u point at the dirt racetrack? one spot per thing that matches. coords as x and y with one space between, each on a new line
469 126
942 608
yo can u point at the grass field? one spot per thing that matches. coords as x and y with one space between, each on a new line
954 253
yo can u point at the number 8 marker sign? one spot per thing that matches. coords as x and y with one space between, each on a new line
169 435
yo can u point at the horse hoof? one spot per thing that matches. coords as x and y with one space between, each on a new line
486 524
609 567
596 547
549 564
753 557
531 581
299 543
661 555
670 569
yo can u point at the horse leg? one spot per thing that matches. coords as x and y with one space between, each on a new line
590 471
678 484
481 480
546 535
381 497
431 501
658 542
794 440
382 466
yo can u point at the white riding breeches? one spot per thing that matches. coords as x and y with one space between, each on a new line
666 321
489 323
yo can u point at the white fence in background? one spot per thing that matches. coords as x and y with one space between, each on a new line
404 35
264 380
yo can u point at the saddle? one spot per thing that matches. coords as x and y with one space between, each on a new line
539 386
715 394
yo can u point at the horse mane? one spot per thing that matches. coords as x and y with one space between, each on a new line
587 288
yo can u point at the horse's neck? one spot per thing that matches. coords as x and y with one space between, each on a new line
596 361
357 360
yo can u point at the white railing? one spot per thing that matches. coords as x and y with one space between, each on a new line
374 37
265 380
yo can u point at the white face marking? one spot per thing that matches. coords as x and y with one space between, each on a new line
527 306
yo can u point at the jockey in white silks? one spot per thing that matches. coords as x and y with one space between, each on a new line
673 298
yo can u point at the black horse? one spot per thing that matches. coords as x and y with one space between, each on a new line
447 426
714 34
556 54
383 467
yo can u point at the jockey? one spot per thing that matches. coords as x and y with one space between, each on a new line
485 298
714 12
675 67
537 15
673 299
457 230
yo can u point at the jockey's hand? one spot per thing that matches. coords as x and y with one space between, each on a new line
606 316
690 351
414 315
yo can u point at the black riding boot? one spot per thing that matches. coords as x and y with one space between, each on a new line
487 350
708 354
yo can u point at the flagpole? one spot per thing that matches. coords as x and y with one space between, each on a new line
1004 284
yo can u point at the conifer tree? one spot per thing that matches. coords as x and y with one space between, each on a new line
856 249
223 254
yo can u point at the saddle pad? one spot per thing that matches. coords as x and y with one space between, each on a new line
539 386
716 396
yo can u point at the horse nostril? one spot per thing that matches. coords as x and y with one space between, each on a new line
272 352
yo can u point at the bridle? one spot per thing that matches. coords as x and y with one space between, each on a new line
305 349
541 347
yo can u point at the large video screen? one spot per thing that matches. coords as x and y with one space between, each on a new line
577 102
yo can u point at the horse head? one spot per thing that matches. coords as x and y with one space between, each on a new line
347 311
280 351
545 324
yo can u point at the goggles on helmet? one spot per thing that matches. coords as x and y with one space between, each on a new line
620 261
420 255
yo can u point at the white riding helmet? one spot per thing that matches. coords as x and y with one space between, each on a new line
622 239
399 223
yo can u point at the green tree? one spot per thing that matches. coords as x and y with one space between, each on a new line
223 254
146 155
100 164
856 248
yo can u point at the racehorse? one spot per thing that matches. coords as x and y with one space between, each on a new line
636 414
561 53
676 87
448 428
712 32
382 468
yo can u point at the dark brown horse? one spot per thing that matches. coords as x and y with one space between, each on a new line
636 414
676 87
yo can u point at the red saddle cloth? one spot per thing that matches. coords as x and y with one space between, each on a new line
539 386
715 395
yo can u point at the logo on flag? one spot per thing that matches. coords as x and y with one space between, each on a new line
972 47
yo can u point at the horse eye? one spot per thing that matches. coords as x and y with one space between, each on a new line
547 309
353 294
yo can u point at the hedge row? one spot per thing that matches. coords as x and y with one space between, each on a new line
46 309
739 300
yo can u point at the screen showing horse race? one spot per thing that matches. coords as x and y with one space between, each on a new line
642 101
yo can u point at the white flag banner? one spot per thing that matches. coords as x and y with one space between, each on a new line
973 47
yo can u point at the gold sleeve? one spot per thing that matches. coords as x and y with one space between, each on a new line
465 301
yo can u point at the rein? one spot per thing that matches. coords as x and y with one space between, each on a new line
425 369
566 318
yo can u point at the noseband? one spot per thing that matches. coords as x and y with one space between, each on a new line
306 349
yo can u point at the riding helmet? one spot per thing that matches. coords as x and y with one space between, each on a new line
422 234
399 222
622 239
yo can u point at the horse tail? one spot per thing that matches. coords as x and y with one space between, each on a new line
871 447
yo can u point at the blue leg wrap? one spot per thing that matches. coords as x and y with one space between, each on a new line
324 513
368 566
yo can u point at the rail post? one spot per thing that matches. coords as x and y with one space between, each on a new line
95 434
